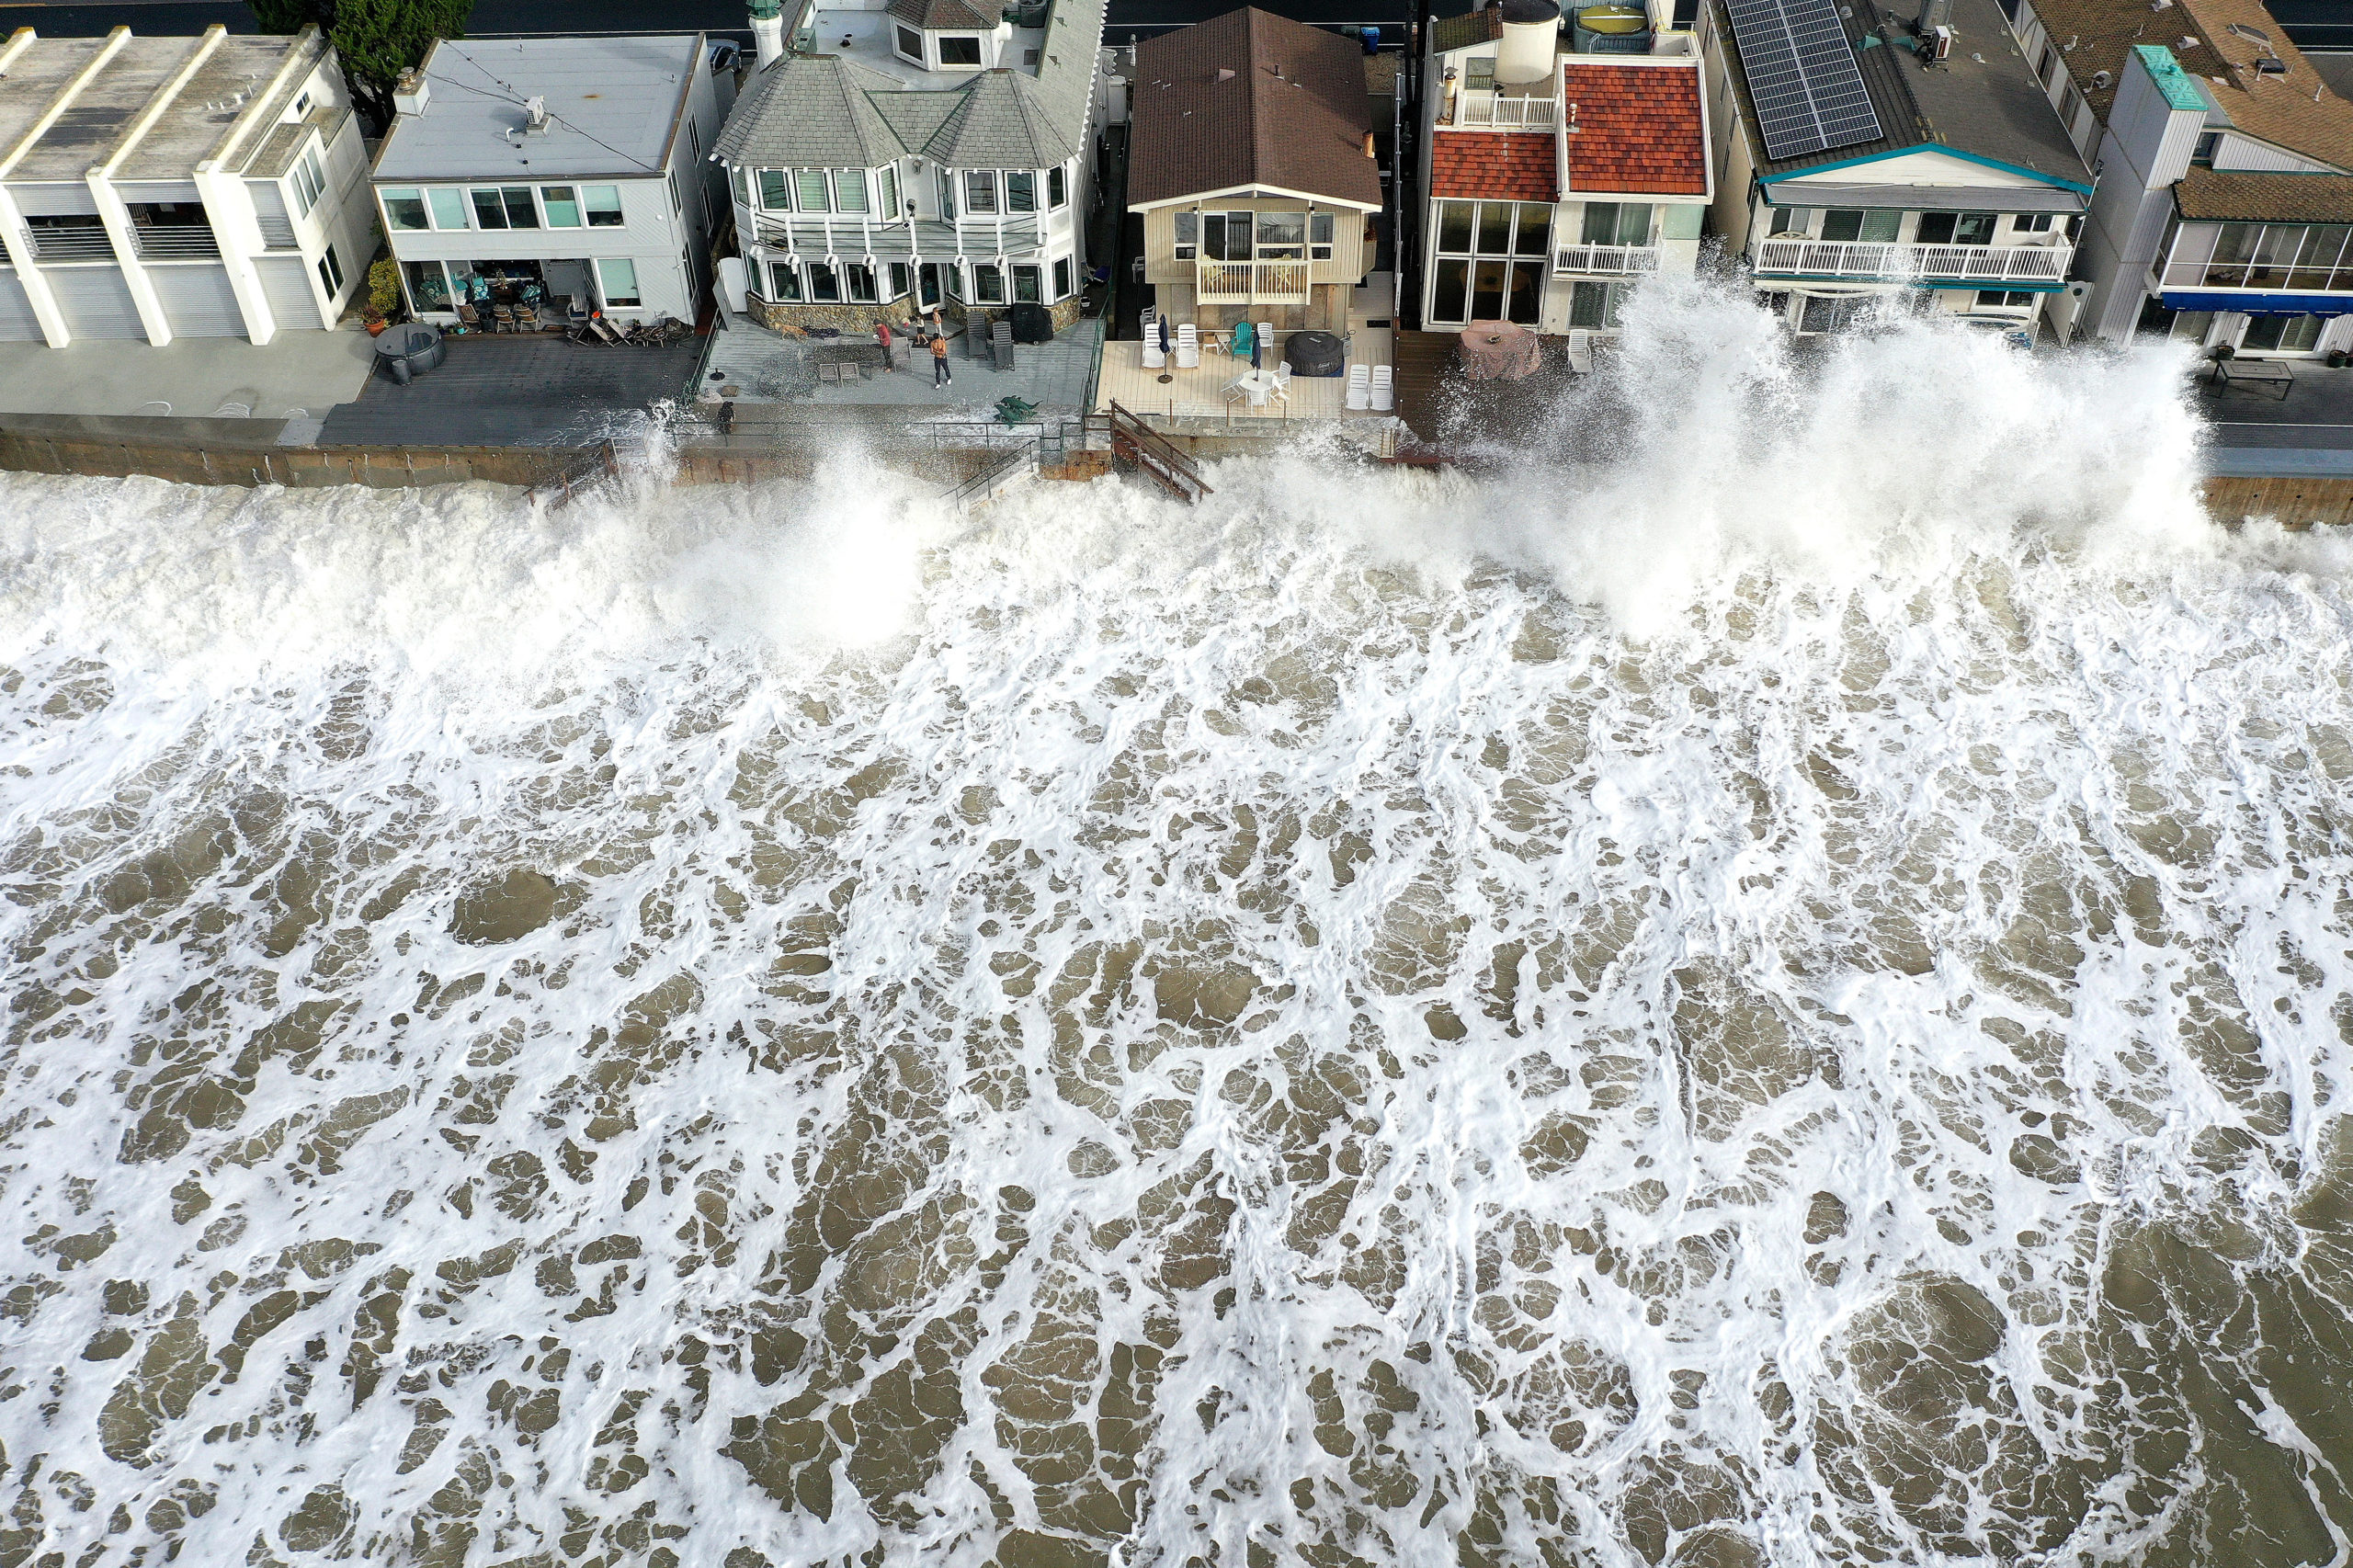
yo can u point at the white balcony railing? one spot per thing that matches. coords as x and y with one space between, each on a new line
1251 282
1505 111
1973 264
1606 258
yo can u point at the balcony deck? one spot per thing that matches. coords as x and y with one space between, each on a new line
1900 263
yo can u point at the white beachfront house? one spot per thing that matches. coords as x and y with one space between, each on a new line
555 170
926 152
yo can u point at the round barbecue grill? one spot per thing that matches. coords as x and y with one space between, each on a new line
1316 353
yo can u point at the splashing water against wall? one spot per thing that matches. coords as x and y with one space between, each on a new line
1774 993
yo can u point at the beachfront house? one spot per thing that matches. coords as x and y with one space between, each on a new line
932 152
163 188
538 176
1561 168
2225 214
1897 155
1252 164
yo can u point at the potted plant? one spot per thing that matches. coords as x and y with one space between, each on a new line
384 294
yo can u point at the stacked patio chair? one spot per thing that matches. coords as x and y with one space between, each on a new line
1188 347
1359 388
1384 389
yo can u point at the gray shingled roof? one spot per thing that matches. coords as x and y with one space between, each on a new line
949 16
821 111
810 112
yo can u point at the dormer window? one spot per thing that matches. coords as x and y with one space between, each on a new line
910 44
955 51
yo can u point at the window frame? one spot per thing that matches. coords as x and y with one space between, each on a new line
1185 236
825 283
331 271
778 183
456 197
588 211
984 182
803 182
988 283
636 301
406 195
979 56
550 204
1020 190
1064 276
859 284
784 280
1057 188
900 34
852 181
1029 274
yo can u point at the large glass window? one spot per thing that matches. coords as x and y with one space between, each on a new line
1027 283
1057 187
1282 236
1189 235
1020 190
1320 229
1594 306
1872 225
563 204
784 282
980 191
619 280
1617 223
1954 229
849 190
2326 253
824 284
404 210
890 181
448 207
959 51
809 191
507 207
428 285
602 205
776 190
1797 221
1225 236
1062 278
309 182
910 44
1489 279
2282 334
860 280
988 283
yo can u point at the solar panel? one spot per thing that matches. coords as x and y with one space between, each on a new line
1802 77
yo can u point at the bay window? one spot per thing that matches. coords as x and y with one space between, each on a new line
980 191
809 190
824 284
776 190
1027 285
860 280
784 282
849 190
1057 188
1020 191
988 283
890 182
959 51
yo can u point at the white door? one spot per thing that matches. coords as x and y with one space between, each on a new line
18 324
95 301
197 301
286 283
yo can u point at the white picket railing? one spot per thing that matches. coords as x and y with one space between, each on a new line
1505 111
1973 264
1251 282
1606 258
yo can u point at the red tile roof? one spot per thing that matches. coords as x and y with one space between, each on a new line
1500 165
1638 130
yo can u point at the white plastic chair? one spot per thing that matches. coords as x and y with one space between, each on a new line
1153 358
1282 380
1265 335
1359 387
1384 389
1188 347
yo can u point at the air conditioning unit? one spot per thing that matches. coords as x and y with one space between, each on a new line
1943 38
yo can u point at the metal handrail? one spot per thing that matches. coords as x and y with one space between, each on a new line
189 242
79 243
983 487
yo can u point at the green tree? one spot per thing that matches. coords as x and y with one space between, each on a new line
375 40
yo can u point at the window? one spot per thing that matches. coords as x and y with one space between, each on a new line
741 180
1189 235
1849 224
927 277
1957 227
620 277
562 205
910 44
1617 223
309 182
2031 222
1282 236
1057 187
2069 102
428 285
784 283
809 191
301 104
1020 191
602 204
2282 334
860 279
824 284
947 185
448 207
1831 314
959 51
330 272
890 206
1320 228
1486 282
2047 67
776 190
1796 220
1027 283
1479 75
1062 278
901 278
2204 152
1594 306
2005 299
677 207
988 283
980 191
1225 236
849 190
508 207
404 209
2324 259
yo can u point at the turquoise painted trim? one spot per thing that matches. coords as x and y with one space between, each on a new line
2172 81
2080 189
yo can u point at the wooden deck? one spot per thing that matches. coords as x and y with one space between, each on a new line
1442 409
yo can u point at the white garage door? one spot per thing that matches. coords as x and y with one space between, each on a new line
198 301
18 324
95 301
285 284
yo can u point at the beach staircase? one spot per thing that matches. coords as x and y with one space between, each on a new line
1137 445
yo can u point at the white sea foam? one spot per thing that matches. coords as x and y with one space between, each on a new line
1770 996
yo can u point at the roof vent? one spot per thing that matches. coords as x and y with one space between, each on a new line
2100 79
536 117
1225 74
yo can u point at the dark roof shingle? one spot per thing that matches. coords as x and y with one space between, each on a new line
1499 165
2238 196
1250 98
1637 128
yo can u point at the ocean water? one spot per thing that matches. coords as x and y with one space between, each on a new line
1775 994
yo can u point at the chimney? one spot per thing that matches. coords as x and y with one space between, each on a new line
768 32
410 93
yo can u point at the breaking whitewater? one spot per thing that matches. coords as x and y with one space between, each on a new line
1778 994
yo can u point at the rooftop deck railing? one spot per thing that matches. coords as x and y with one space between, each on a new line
1483 110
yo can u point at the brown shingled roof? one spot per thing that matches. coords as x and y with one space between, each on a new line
1498 166
1250 98
1638 129
2232 196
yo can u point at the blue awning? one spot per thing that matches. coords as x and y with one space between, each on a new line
2257 304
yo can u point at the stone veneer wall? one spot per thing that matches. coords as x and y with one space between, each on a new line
860 318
